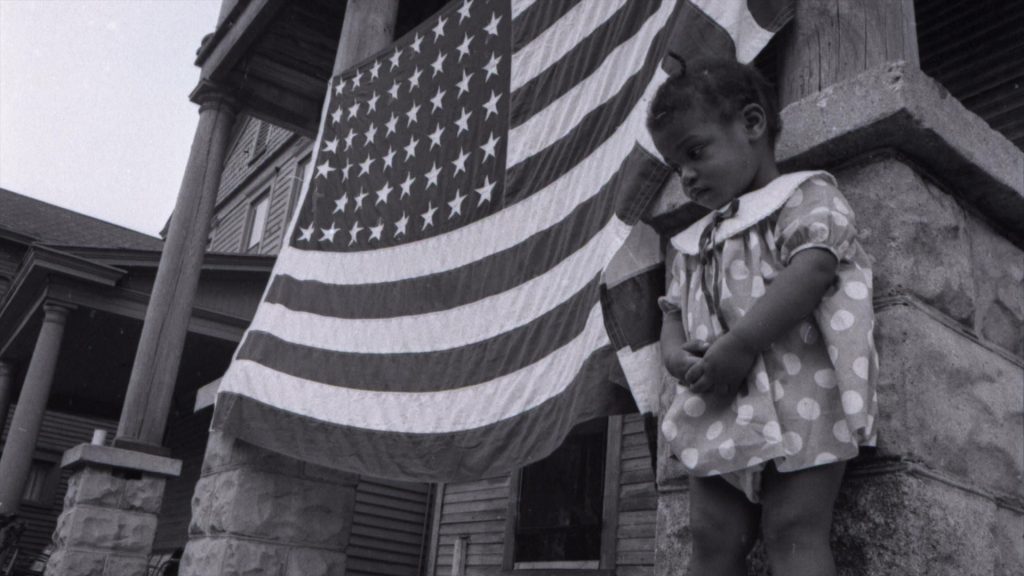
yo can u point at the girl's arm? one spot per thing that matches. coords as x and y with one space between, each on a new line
791 297
677 354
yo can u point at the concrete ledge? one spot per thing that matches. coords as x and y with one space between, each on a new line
897 106
85 454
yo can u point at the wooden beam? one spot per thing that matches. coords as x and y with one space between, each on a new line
833 40
219 60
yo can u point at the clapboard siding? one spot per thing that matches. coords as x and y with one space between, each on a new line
240 164
186 439
638 502
58 432
389 525
975 49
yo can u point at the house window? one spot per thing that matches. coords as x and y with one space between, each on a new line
300 180
557 516
257 221
259 144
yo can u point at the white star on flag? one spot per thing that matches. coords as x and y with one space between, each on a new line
439 28
485 191
306 234
492 26
324 169
456 204
340 204
328 233
383 193
331 145
376 230
353 233
428 216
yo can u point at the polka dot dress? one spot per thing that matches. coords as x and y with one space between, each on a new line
810 398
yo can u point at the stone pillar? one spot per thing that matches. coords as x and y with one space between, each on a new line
256 512
6 386
28 414
110 511
148 400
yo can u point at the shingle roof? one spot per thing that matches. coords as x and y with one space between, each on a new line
54 225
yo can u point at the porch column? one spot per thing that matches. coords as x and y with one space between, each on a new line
832 41
28 415
6 384
148 400
255 511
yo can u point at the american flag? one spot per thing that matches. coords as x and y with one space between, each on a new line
446 306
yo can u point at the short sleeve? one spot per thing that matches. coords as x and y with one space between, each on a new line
815 216
671 302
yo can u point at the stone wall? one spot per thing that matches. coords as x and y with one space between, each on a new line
944 492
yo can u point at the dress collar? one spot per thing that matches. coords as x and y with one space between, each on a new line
754 207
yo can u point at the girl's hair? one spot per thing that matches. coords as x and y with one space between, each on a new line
719 85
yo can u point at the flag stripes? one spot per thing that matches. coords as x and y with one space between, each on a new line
458 328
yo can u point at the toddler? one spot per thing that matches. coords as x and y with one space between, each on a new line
768 329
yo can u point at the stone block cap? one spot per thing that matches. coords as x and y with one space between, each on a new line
91 454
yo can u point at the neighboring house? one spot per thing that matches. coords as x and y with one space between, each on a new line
948 296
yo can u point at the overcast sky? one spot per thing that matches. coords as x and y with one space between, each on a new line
94 108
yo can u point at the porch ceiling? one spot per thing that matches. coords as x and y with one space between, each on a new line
276 56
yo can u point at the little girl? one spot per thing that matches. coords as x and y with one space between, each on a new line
768 329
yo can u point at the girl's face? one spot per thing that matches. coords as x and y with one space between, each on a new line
715 160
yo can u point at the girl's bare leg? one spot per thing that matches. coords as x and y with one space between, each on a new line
724 527
797 518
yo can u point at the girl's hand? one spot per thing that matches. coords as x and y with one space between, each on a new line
680 360
724 368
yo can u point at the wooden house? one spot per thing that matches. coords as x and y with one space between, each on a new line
917 108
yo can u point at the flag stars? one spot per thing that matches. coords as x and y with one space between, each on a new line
350 137
371 133
410 148
485 191
353 233
437 100
463 121
331 145
464 10
492 26
383 193
353 110
359 199
415 46
489 146
414 78
392 125
456 204
432 175
401 224
306 234
407 186
464 83
323 170
435 136
336 115
341 204
375 70
371 104
340 87
344 170
328 233
460 162
388 158
492 105
357 80
428 216
364 166
438 64
413 115
375 231
393 91
464 47
439 28
492 65
395 57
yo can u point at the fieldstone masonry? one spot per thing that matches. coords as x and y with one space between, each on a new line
944 492
110 512
255 512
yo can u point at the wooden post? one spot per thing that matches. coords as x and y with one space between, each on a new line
369 26
6 384
148 401
16 461
832 40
